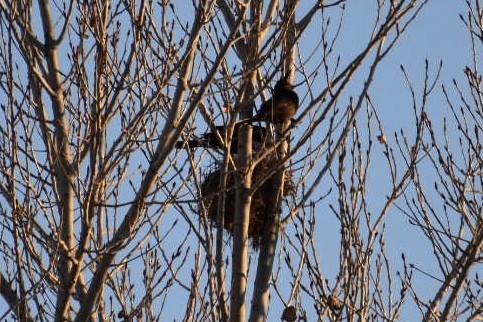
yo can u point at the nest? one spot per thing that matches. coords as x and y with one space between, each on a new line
210 190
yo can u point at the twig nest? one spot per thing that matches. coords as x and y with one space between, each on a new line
211 192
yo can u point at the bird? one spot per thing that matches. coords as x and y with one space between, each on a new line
289 314
210 139
281 107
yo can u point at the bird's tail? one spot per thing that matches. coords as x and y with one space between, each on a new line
189 144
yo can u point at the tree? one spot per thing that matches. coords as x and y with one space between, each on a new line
104 219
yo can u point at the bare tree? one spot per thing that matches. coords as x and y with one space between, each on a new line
448 210
107 214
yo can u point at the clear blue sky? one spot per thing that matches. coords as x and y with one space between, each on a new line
437 34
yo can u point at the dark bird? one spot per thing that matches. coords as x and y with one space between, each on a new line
289 314
281 107
210 139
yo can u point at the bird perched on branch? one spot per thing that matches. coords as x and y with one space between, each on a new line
210 139
281 107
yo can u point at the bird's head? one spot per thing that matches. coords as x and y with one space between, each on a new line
284 83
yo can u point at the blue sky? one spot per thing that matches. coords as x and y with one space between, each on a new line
437 34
